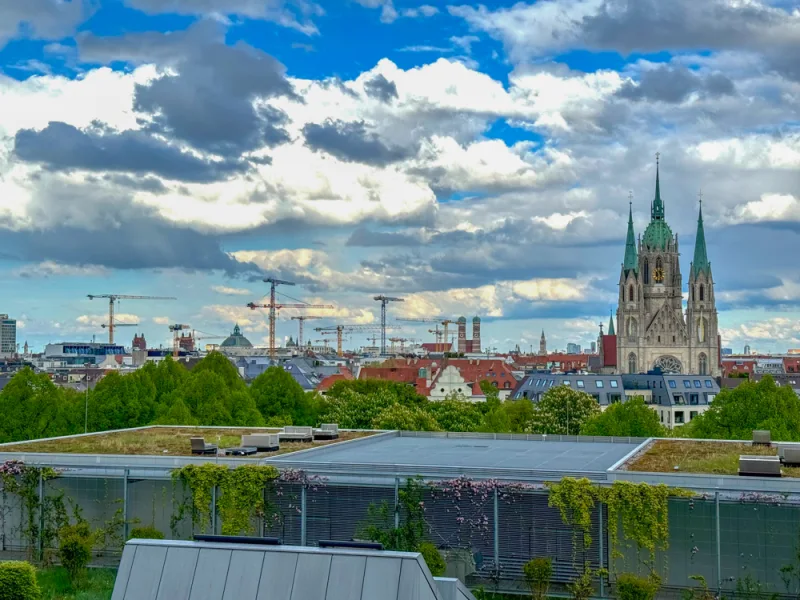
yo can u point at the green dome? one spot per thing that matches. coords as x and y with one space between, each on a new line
462 319
236 340
657 235
476 319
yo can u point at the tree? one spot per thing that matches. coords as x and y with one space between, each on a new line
352 410
277 394
400 392
735 413
219 364
405 418
490 391
208 397
121 401
457 415
563 410
33 407
632 418
510 416
244 412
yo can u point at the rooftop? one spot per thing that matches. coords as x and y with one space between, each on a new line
699 456
169 441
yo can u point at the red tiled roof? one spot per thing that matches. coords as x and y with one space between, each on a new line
399 374
327 382
432 347
609 351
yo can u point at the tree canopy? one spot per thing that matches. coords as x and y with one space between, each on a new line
632 418
563 410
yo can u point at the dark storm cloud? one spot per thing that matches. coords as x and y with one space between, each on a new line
673 84
369 238
145 184
381 88
40 19
350 141
60 146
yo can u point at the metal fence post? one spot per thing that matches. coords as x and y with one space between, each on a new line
719 544
124 505
41 515
214 510
496 531
601 536
397 503
303 516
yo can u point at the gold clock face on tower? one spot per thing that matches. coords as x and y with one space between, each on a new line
658 275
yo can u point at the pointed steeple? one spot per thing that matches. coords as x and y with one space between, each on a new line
611 325
657 211
631 262
700 263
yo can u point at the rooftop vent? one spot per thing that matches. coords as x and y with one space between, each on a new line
761 437
759 466
350 544
791 455
238 539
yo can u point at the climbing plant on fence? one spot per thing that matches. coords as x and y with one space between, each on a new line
40 520
640 509
243 494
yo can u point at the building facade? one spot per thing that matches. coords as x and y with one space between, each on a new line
652 331
8 335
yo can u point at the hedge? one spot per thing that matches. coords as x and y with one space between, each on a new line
18 581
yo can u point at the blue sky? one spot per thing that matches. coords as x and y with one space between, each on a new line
472 158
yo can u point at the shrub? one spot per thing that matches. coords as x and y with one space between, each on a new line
632 587
146 533
433 558
18 581
538 572
75 549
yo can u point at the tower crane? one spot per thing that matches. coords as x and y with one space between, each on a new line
324 341
301 319
176 340
384 300
444 321
112 298
274 307
340 329
402 342
437 334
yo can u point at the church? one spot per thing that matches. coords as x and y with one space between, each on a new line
653 332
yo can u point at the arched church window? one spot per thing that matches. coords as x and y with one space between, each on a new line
631 363
702 326
646 271
630 293
633 330
702 290
639 293
692 293
702 364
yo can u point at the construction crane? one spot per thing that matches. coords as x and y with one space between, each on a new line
402 342
444 321
206 336
340 329
112 298
325 341
274 307
176 339
437 333
301 319
384 300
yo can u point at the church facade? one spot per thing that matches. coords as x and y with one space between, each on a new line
653 331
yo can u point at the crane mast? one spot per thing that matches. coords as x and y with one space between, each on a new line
384 300
112 298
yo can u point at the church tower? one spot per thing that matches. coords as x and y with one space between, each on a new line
651 328
701 311
543 344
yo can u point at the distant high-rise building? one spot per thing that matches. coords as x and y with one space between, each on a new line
139 343
573 348
543 344
747 348
727 351
594 347
8 335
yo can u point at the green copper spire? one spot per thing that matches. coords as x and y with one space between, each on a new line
611 324
631 258
657 211
700 263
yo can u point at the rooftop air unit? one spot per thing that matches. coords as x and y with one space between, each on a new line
791 455
760 466
761 437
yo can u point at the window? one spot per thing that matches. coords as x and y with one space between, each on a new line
630 293
659 339
697 383
596 397
710 397
679 400
692 293
646 271
662 416
678 417
613 383
702 292
692 414
538 382
580 383
702 363
525 394
502 374
506 385
550 383
687 384
614 398
710 385
631 363
598 383
694 399
567 382
673 384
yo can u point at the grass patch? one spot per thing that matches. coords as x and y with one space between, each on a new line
161 440
55 584
714 458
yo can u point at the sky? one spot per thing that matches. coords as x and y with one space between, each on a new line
473 159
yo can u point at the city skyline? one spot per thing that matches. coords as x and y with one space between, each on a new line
474 160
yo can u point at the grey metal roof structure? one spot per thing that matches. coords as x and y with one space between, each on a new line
673 390
508 456
176 570
606 389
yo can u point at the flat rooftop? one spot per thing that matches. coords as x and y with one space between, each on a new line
420 453
699 456
162 441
